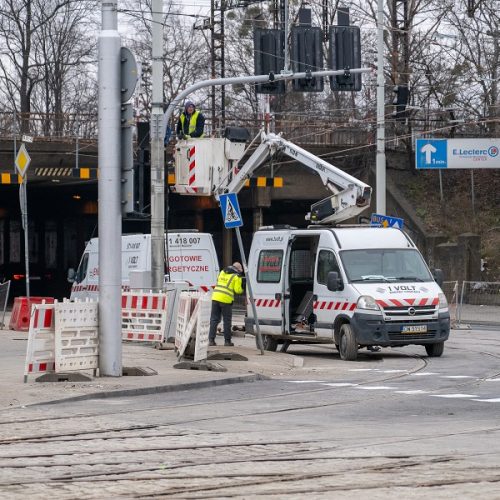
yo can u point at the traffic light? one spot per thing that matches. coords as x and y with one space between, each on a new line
307 55
128 83
127 159
345 54
269 57
402 94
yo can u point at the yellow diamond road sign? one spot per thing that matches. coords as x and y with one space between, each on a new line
23 160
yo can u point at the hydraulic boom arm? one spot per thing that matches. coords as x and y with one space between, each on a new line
350 195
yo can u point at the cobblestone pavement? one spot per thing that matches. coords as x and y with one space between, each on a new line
397 426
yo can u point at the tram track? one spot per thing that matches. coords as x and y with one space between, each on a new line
121 456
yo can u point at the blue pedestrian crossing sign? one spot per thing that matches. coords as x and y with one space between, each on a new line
231 214
379 220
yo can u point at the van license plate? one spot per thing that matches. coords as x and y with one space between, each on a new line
414 329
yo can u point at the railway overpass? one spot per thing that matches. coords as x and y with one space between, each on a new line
62 194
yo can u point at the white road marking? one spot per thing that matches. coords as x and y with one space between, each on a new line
415 391
375 387
492 379
394 371
339 384
454 396
305 381
363 369
493 400
456 376
424 374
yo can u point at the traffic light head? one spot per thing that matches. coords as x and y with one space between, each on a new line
401 97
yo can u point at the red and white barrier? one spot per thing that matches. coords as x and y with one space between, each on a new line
144 316
40 352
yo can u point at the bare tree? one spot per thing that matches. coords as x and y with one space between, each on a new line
20 71
186 55
477 59
67 51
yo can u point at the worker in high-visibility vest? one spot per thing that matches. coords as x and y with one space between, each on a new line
191 122
230 281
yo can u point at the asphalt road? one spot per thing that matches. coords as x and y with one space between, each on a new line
391 425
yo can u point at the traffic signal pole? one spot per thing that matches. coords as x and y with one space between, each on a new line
157 153
380 160
109 217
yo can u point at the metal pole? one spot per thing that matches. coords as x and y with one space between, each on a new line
441 194
287 30
472 193
249 285
157 154
109 218
380 162
23 193
77 146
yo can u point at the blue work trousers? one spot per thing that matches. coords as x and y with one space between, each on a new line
226 311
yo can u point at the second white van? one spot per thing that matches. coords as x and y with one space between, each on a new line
190 255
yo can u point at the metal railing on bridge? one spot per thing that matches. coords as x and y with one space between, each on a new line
67 127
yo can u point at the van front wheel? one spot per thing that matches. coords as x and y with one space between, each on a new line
435 350
270 342
348 346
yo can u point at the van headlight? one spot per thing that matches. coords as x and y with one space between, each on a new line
367 302
443 303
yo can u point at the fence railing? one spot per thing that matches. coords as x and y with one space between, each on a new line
479 303
4 297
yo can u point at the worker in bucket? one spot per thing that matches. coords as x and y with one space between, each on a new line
191 122
230 281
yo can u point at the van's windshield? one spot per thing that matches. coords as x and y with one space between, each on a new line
383 265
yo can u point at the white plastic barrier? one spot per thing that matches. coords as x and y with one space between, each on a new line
202 327
40 352
187 306
76 336
144 316
193 320
62 337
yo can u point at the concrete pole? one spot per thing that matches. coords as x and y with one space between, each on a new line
157 153
380 165
109 218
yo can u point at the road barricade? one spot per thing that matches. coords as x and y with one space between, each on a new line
63 337
144 316
21 312
4 298
193 324
76 336
40 352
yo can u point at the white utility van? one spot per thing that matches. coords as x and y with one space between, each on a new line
191 257
357 286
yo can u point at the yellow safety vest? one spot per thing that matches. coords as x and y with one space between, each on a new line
227 285
192 122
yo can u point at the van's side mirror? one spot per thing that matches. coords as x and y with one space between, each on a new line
438 276
71 275
333 282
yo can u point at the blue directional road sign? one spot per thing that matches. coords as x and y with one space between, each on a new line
431 153
231 214
379 220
